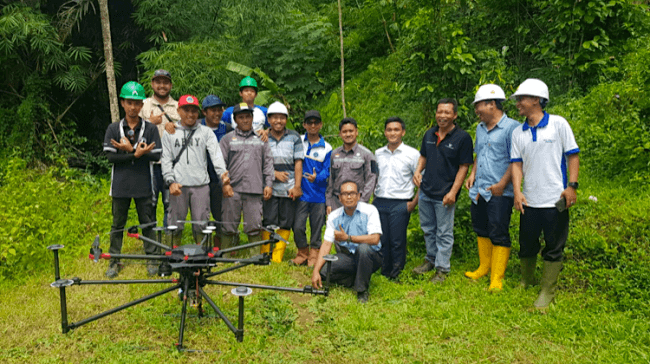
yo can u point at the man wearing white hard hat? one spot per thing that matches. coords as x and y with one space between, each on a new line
489 185
543 149
287 150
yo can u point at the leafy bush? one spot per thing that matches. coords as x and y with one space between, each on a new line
38 209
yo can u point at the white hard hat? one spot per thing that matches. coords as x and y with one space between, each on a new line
532 87
277 108
489 92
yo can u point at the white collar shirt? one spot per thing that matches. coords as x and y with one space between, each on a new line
396 171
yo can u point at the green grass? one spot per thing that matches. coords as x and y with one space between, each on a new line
413 322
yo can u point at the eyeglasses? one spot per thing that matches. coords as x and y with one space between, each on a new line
348 194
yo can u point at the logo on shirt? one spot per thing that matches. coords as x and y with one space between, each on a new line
337 155
316 154
549 141
450 146
358 154
233 138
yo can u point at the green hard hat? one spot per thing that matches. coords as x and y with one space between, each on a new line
132 90
248 81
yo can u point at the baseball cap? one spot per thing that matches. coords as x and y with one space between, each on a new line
188 100
162 73
210 101
243 107
312 114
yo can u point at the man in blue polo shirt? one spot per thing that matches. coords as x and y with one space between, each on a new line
355 229
489 185
316 167
446 153
542 149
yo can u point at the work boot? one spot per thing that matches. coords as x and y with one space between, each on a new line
264 235
152 268
280 246
301 257
424 267
313 257
484 256
439 277
114 269
500 256
362 297
528 271
549 284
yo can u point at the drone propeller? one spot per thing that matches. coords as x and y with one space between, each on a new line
95 251
209 222
141 226
272 229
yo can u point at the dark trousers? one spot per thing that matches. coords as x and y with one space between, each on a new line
216 195
158 188
394 217
316 214
491 219
354 270
120 209
555 226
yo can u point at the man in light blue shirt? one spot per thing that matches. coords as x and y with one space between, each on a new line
355 229
490 186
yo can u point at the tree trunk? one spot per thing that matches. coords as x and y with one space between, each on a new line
342 61
108 56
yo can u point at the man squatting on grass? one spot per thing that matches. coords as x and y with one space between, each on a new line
394 195
125 145
541 151
314 184
287 152
250 164
160 110
355 229
489 184
185 166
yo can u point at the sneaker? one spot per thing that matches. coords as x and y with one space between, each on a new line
362 297
424 267
152 268
439 277
113 270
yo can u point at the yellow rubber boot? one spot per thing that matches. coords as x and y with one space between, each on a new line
265 236
485 258
280 246
500 256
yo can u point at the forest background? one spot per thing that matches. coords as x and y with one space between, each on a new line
400 57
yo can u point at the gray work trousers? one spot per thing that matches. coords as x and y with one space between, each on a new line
316 214
232 207
197 199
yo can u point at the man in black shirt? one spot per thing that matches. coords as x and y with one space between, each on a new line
446 153
132 145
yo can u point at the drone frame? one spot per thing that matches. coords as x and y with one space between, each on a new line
194 265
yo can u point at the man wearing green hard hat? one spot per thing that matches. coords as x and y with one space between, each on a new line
131 145
248 92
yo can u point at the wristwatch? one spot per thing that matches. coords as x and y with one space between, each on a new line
573 185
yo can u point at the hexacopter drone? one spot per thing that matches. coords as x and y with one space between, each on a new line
194 264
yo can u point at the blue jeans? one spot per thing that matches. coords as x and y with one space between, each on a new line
437 224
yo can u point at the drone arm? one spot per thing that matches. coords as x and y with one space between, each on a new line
147 240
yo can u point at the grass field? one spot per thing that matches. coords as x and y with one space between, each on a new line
412 322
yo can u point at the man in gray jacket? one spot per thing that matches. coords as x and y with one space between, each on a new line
185 166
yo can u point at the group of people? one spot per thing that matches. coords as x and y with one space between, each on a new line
242 163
